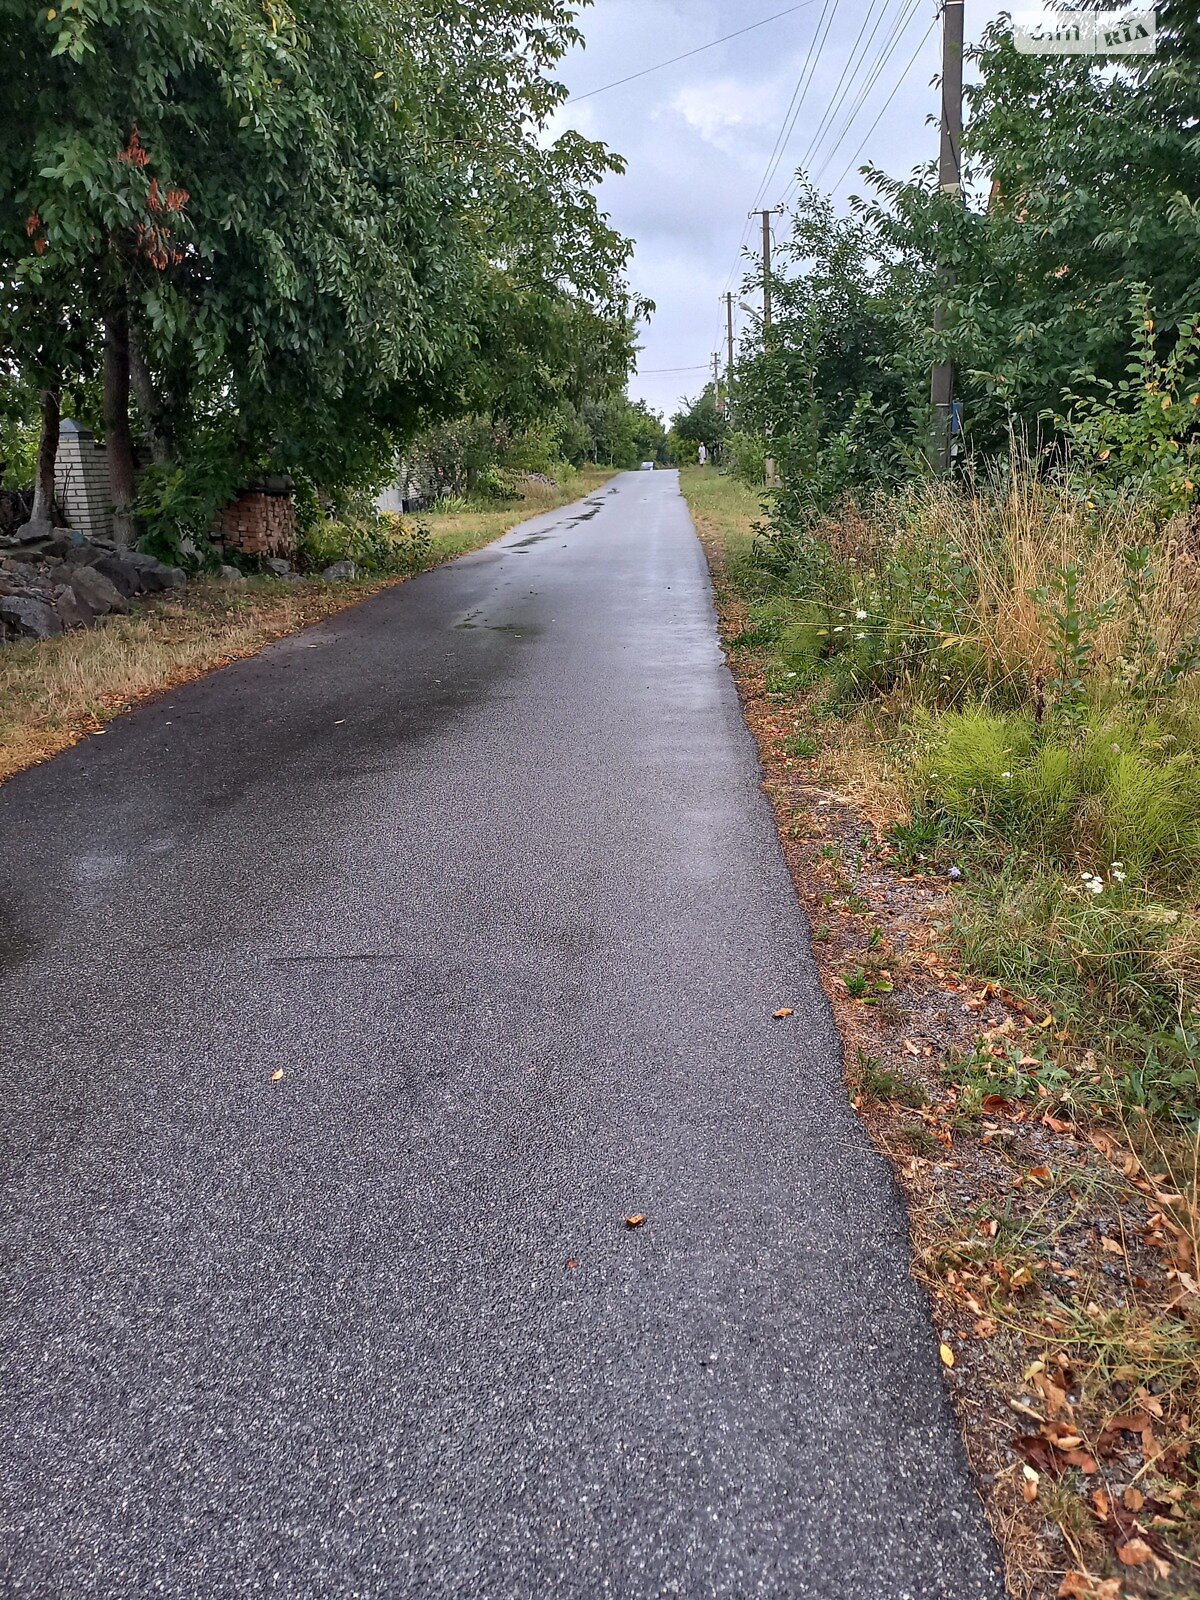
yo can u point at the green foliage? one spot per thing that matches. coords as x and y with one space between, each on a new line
177 504
330 227
1086 191
386 545
1141 434
698 422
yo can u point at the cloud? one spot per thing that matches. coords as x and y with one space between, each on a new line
698 136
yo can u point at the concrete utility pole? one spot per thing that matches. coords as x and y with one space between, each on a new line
728 346
941 393
717 380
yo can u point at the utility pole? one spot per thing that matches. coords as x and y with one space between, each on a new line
941 392
766 252
728 350
717 380
771 473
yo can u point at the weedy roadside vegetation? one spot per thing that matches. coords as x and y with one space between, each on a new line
1006 679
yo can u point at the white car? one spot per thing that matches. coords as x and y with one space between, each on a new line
647 466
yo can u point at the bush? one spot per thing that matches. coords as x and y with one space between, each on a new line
388 545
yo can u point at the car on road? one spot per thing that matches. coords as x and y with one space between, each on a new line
647 466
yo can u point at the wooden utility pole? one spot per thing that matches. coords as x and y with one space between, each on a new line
941 393
772 475
766 254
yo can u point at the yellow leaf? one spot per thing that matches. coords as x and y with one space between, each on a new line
784 1011
378 75
51 14
947 1355
277 1075
635 1221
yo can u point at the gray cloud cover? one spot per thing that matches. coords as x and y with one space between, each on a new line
698 135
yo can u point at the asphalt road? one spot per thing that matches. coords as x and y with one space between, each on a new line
483 868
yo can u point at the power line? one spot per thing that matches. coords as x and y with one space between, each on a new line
895 90
785 130
888 47
811 65
854 65
658 372
687 54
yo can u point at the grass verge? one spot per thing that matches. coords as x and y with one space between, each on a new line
55 693
1010 1030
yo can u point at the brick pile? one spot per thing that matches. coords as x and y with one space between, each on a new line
261 521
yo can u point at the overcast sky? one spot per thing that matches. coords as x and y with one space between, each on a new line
698 136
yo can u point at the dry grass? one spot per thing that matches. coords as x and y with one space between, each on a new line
53 694
1017 537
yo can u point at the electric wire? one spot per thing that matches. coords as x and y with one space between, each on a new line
687 54
888 48
850 72
895 90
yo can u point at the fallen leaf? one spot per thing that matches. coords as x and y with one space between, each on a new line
571 1265
1133 1499
1134 1554
1112 1246
1029 1485
1079 1586
635 1221
995 1104
1100 1504
1042 1174
985 1328
277 1075
947 1355
784 1011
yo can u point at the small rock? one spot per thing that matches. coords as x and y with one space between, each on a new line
278 566
120 572
43 550
156 575
340 572
23 618
232 574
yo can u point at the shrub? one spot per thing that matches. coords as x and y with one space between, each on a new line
388 544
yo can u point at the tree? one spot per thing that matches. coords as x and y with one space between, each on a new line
698 422
305 231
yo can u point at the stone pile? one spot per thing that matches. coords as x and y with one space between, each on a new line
53 578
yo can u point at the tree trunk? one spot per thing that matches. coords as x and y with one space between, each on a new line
43 488
150 402
117 435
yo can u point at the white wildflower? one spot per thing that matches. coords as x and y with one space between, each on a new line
860 615
1006 776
